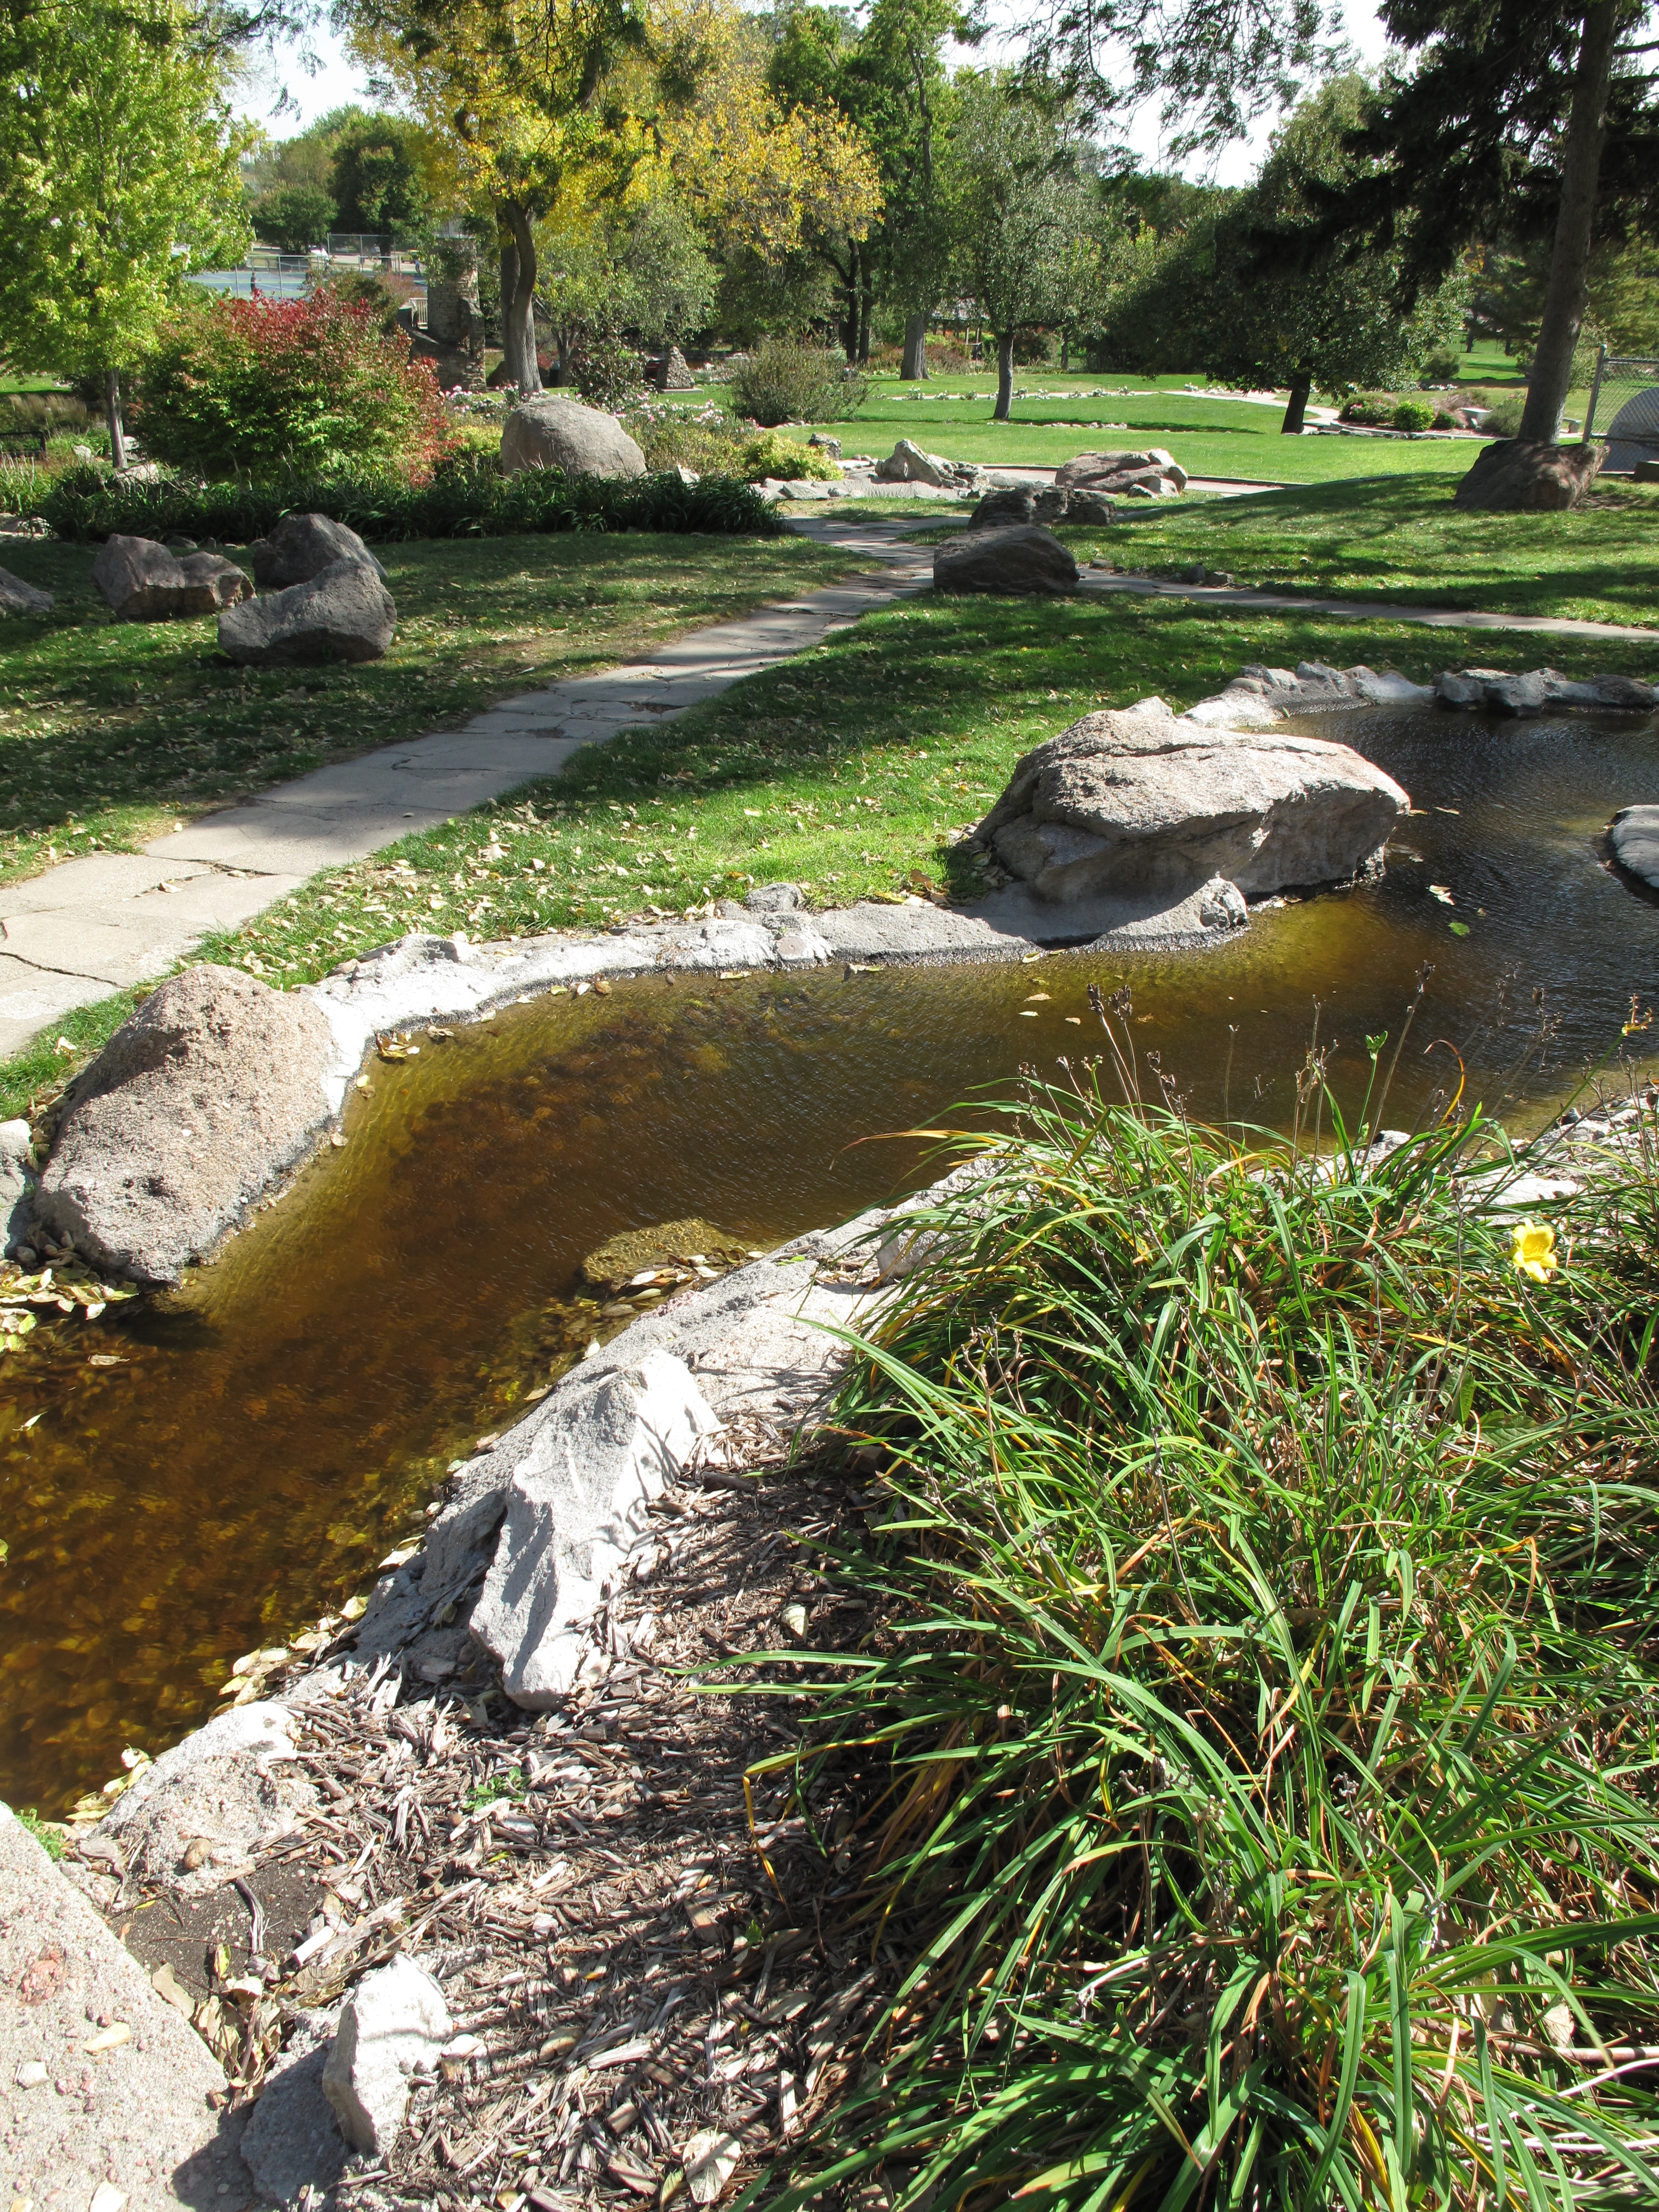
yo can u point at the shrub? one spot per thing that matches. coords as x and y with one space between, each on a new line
1373 410
466 497
1505 419
258 387
771 454
788 380
294 218
604 370
705 439
1440 368
1250 1752
1412 414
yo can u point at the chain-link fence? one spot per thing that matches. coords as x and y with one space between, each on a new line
1623 409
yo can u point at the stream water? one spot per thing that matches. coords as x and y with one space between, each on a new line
277 1424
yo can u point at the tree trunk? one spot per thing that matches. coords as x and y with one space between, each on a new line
510 283
865 304
1301 385
913 368
518 305
1568 292
1004 375
1066 352
118 434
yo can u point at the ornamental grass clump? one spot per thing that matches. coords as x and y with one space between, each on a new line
1254 1766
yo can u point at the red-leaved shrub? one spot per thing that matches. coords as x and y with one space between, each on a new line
263 387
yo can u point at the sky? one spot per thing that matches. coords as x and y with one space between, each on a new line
336 82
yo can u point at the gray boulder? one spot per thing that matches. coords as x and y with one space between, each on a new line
671 372
300 547
1045 503
1144 800
195 1819
1023 558
907 463
552 431
1634 837
393 2026
213 1086
1539 691
1513 475
142 581
343 613
17 1185
17 598
606 1444
1154 471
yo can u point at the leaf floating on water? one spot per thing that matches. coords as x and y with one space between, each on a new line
107 1359
601 987
1459 928
1440 892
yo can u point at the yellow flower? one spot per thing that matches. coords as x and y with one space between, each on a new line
1535 1250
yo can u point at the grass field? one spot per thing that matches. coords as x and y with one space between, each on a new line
1055 417
111 731
1389 538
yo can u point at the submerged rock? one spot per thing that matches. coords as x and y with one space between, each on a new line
213 1088
664 1245
1146 800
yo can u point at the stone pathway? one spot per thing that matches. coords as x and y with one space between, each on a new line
109 920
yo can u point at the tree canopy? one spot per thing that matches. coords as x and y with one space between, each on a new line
118 175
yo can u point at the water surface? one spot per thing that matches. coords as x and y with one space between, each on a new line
278 1425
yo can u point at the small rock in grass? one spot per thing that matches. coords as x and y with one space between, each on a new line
17 598
394 2025
343 613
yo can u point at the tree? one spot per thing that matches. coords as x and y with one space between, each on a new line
294 218
376 178
118 176
636 267
888 81
1536 119
1017 183
1273 319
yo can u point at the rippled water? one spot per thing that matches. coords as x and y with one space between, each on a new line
278 1422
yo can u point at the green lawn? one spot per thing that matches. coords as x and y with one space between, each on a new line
1386 538
1235 438
111 731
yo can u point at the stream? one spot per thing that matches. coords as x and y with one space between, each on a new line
277 1424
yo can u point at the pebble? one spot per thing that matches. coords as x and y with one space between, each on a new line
33 2073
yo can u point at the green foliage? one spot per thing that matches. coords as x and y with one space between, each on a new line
771 454
786 380
604 370
1504 420
1375 410
118 176
375 178
467 498
1247 1754
640 271
49 1834
294 387
294 218
1412 414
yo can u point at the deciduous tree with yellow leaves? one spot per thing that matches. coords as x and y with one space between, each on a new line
557 110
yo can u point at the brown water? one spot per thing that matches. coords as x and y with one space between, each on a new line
278 1423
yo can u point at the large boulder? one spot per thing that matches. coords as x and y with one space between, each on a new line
1154 472
213 1086
1022 559
344 613
1634 837
17 598
142 581
1045 503
1514 474
1144 800
300 547
552 431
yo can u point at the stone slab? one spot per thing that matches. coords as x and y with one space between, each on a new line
134 2115
33 999
95 881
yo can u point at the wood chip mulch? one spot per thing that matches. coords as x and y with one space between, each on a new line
642 1940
